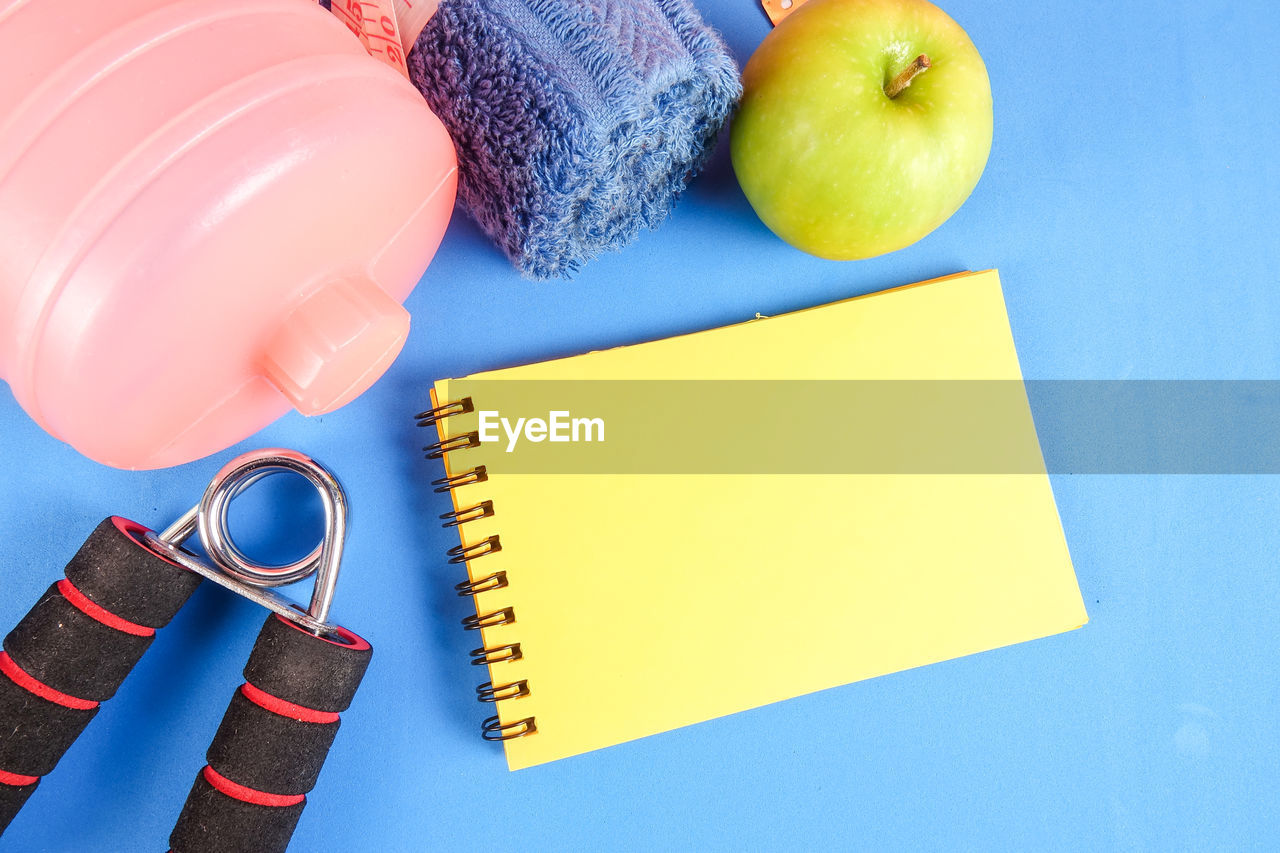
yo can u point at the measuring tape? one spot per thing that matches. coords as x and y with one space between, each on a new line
389 28
775 9
386 28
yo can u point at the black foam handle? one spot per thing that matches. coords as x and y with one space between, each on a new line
63 647
74 648
13 797
273 740
213 822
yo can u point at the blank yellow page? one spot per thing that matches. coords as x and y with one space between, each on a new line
648 602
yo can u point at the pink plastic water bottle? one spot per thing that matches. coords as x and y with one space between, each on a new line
210 211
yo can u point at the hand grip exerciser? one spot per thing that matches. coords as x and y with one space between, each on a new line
76 645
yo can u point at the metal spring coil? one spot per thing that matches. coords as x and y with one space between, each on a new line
492 729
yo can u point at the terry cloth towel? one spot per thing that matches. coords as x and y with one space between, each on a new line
577 122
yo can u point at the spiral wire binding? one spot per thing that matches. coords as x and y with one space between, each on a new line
459 517
477 474
433 416
492 729
437 449
467 553
476 621
484 655
488 692
497 580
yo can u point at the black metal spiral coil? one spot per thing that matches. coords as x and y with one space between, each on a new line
492 729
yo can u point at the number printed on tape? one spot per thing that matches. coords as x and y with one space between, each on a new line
374 22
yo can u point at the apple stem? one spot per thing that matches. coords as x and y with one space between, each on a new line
895 86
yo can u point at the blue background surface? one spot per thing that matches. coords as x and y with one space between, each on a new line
1129 204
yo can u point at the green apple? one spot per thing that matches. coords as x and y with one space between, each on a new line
864 125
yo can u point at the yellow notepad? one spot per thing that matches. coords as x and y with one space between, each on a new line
620 605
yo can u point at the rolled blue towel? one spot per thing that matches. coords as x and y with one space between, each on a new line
577 122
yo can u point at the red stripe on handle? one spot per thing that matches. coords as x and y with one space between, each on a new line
249 795
345 638
99 613
39 688
285 708
17 779
138 534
